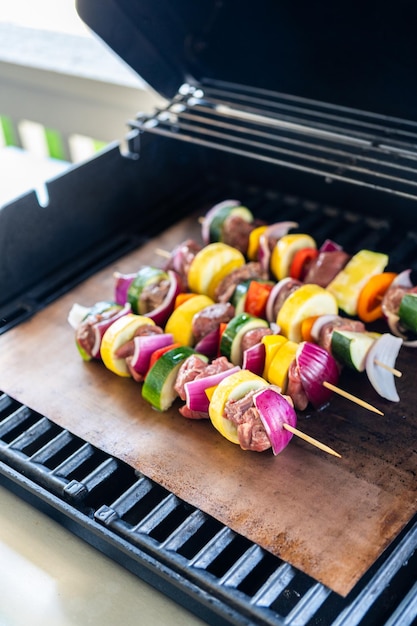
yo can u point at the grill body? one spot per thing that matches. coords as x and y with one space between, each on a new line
322 156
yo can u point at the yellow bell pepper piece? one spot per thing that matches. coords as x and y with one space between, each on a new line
277 373
253 245
179 323
272 344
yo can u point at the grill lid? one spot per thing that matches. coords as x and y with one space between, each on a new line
358 55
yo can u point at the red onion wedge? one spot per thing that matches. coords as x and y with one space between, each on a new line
145 346
275 411
316 366
209 344
195 390
254 359
321 321
100 328
121 287
271 236
390 306
205 226
288 284
403 279
164 310
380 364
330 246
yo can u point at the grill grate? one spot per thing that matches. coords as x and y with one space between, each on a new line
238 581
338 143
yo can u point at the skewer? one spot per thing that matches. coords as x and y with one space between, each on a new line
393 371
311 440
351 397
162 252
330 386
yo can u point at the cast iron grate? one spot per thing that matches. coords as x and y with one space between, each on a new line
138 522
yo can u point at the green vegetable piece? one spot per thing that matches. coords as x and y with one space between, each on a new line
408 311
350 348
158 386
145 276
231 340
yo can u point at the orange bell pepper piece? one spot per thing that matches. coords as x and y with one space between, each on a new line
306 328
370 298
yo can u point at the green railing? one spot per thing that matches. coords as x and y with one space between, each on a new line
62 97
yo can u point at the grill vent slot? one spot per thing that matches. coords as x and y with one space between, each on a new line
245 584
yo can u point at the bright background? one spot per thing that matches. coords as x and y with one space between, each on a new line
56 15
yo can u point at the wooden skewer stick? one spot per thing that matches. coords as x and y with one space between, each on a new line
351 397
162 252
311 440
393 371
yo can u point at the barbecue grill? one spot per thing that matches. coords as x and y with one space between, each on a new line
301 112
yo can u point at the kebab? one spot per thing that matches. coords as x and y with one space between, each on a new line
292 369
287 305
266 420
359 282
235 259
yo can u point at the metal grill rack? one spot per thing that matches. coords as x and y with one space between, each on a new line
187 554
364 149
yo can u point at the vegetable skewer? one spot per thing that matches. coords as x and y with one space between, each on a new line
257 251
160 371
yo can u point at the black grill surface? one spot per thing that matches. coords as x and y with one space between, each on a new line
187 554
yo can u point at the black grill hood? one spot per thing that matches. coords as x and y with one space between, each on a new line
361 55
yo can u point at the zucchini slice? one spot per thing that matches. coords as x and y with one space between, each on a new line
351 348
158 386
231 340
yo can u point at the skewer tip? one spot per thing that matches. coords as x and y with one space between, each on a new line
311 440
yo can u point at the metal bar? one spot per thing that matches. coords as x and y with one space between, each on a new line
155 129
406 612
344 154
306 108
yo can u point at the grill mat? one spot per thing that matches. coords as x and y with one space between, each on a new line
311 602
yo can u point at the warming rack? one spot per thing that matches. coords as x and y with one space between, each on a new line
338 143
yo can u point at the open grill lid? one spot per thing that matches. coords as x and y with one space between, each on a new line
359 55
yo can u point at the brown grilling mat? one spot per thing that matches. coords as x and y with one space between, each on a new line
329 517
